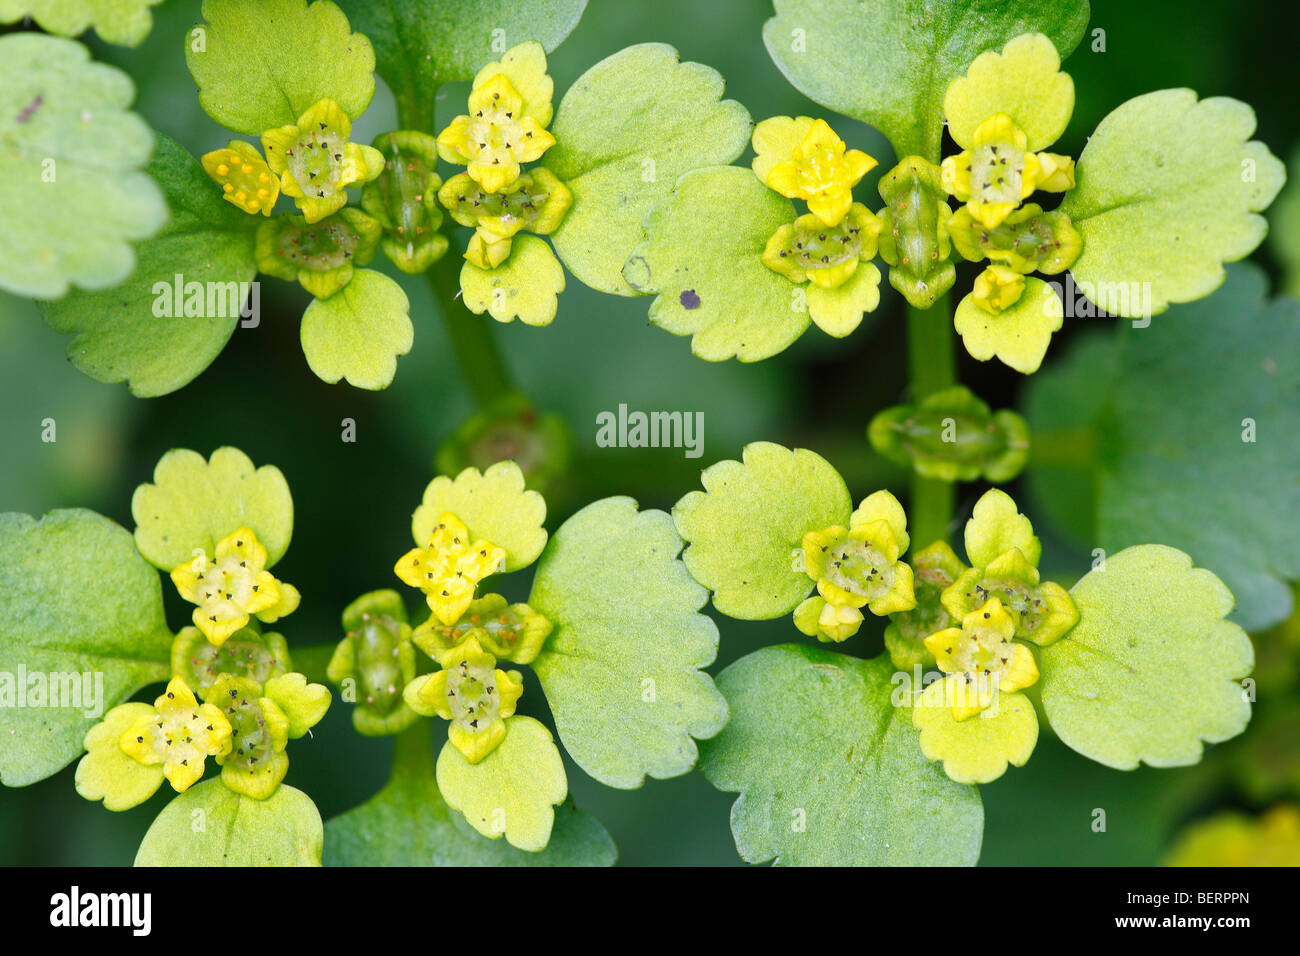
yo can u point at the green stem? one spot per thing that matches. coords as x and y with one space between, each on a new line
931 366
472 339
413 750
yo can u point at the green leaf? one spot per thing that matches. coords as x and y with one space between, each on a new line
260 64
1194 421
124 22
745 527
512 791
421 44
358 333
75 599
625 131
195 503
621 669
282 830
409 824
1019 334
494 505
117 335
829 771
1285 233
1152 669
72 193
1168 189
889 63
526 286
703 259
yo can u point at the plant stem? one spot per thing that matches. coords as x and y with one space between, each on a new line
413 750
472 339
931 366
312 660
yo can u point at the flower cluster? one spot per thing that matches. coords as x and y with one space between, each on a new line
830 247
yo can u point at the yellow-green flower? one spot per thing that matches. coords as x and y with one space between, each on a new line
496 137
825 621
316 161
1234 839
449 569
536 201
984 655
1028 240
997 288
513 632
136 746
818 168
860 566
993 177
263 718
245 178
322 255
827 256
473 694
233 587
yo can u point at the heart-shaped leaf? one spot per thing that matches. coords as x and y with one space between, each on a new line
1168 190
746 526
493 504
625 131
526 286
702 258
261 64
1152 669
175 313
421 44
359 332
195 503
124 22
829 771
212 825
914 49
621 669
73 195
81 624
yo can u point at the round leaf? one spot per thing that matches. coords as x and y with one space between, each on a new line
977 749
618 170
914 47
494 505
125 22
703 258
72 193
358 333
76 601
1019 334
117 333
746 525
1152 669
621 669
282 830
829 771
195 503
526 286
512 791
260 64
1168 190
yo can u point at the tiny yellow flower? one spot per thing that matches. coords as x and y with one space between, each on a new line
825 621
473 694
487 253
1055 172
233 587
245 178
860 566
983 653
180 734
996 173
449 569
998 288
821 171
496 137
512 632
316 162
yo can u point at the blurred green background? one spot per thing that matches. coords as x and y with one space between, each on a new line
353 501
